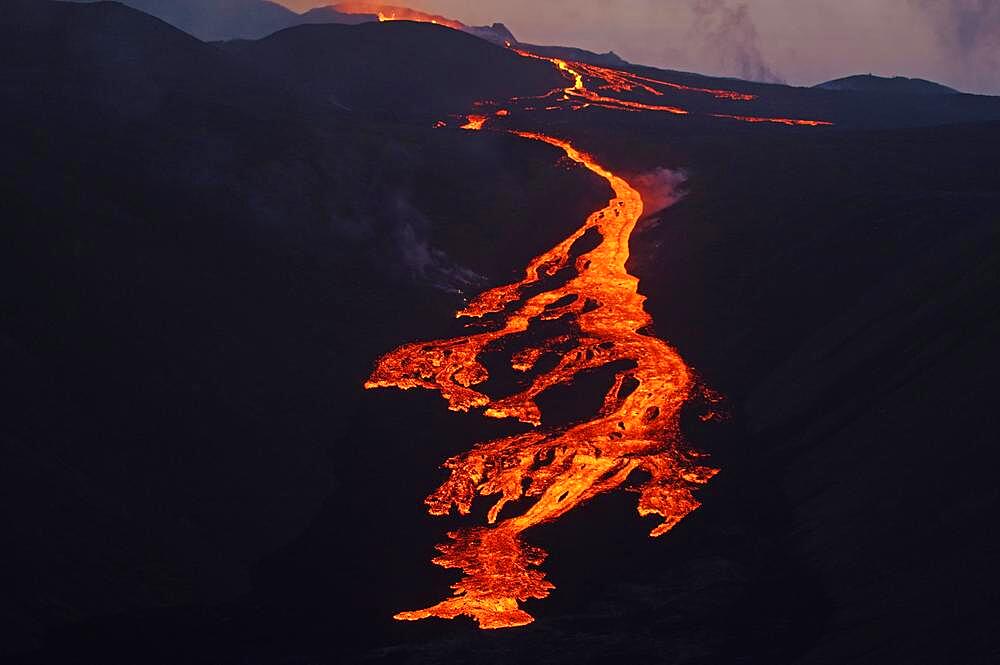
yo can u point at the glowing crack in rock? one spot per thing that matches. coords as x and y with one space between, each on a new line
622 81
607 78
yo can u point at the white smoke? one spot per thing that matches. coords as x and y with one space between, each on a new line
725 33
660 188
410 231
970 30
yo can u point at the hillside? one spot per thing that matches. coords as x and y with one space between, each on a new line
207 246
211 20
896 84
401 68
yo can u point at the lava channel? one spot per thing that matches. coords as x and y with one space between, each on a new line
555 469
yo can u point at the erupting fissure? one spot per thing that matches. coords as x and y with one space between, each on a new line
549 471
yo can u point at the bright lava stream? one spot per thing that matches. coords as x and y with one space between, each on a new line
637 430
558 469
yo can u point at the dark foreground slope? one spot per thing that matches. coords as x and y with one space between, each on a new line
878 106
197 269
201 264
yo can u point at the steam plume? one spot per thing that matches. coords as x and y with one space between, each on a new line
660 188
970 29
727 33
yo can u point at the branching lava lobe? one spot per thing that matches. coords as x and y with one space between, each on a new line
580 96
547 470
561 468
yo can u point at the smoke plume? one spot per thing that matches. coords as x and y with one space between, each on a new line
727 34
659 188
411 247
970 30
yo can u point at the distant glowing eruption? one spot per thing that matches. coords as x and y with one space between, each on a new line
393 13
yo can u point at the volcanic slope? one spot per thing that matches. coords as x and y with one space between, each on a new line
400 68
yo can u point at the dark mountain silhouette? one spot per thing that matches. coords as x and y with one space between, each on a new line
329 14
88 51
497 33
219 19
895 84
877 108
203 252
397 67
358 67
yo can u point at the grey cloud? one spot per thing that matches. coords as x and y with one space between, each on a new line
970 30
660 188
726 32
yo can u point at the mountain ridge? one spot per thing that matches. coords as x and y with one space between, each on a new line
886 84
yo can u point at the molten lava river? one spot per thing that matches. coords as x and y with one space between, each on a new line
549 471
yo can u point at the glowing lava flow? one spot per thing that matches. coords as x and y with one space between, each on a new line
580 91
555 469
549 471
778 121
622 81
475 122
392 13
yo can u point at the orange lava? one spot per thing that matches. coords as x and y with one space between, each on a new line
779 121
475 122
392 13
553 470
615 80
540 475
621 81
579 90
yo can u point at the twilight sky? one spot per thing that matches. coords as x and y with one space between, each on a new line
956 42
